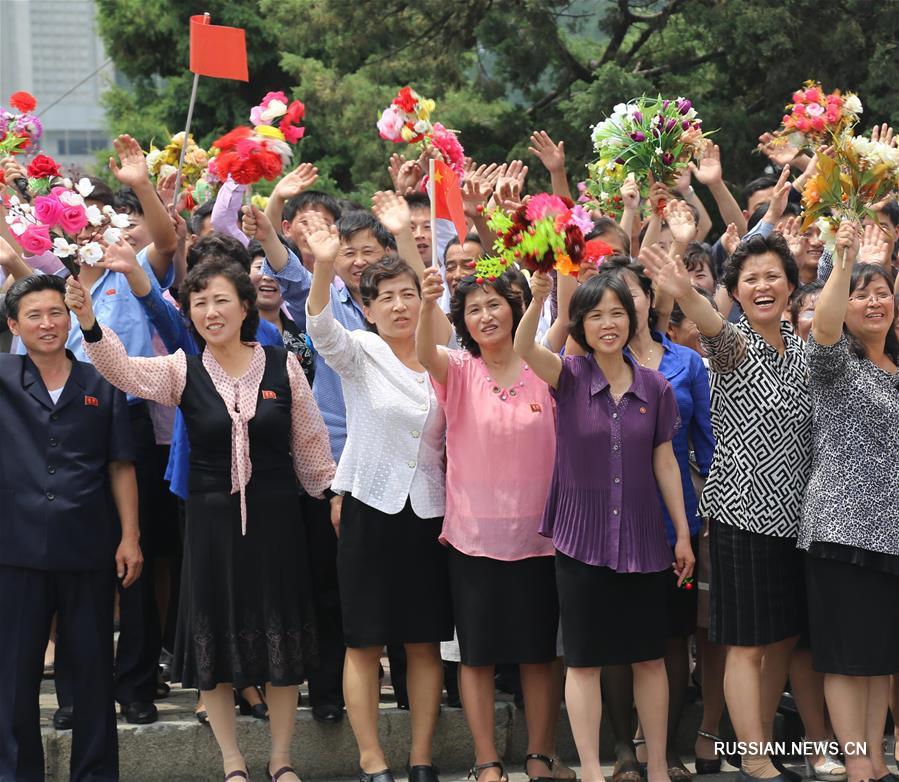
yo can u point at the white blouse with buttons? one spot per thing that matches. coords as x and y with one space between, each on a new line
395 429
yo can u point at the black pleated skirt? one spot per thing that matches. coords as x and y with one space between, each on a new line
394 584
246 614
506 612
611 618
853 618
757 587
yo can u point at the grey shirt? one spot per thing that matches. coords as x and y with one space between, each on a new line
851 496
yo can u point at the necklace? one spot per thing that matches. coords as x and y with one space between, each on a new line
642 362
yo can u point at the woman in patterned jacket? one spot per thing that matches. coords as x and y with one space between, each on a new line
761 417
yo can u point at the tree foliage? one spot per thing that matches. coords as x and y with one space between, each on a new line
499 69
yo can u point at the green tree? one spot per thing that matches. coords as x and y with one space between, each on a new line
499 70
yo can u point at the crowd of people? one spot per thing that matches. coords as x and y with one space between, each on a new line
286 439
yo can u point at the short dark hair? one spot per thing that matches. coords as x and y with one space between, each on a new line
202 212
800 296
33 284
221 247
351 223
516 277
621 265
761 210
454 242
502 286
388 268
307 199
127 202
198 279
761 183
863 275
606 225
698 255
588 296
759 245
418 200
255 249
102 193
891 210
677 314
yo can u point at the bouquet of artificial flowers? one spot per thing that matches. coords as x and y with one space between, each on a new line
545 233
646 136
20 130
602 189
276 113
815 116
164 162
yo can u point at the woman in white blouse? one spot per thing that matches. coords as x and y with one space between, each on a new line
394 587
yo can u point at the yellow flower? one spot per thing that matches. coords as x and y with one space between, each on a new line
260 202
407 134
270 132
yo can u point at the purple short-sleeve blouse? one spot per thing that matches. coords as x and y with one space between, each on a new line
603 506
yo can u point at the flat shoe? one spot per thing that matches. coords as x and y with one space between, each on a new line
627 771
379 776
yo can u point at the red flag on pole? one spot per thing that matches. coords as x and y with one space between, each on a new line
216 51
447 197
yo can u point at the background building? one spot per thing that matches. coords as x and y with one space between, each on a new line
51 49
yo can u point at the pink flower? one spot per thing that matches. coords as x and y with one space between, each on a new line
47 209
256 115
73 219
581 219
815 110
832 116
801 110
544 205
446 143
818 123
803 125
390 124
270 96
834 100
798 97
813 95
36 239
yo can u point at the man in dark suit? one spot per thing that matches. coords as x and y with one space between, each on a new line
68 526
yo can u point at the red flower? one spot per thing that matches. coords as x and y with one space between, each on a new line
405 100
289 124
42 166
23 101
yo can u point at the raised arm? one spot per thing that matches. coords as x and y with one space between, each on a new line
566 285
133 173
257 225
226 211
552 156
160 379
289 186
830 311
546 364
310 447
688 194
671 277
432 357
630 213
710 174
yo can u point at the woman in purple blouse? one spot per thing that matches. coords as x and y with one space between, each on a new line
614 426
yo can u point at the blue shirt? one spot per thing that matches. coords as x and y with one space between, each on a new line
684 370
295 281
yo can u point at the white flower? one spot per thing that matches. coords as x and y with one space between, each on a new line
422 126
14 201
108 210
17 226
165 170
90 253
84 187
62 248
112 235
828 235
853 105
620 109
94 215
274 110
67 183
119 220
72 199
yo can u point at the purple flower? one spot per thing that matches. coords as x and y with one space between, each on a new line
665 104
638 117
670 125
656 133
619 161
685 124
667 158
683 106
638 136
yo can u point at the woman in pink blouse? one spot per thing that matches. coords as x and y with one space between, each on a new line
254 430
500 443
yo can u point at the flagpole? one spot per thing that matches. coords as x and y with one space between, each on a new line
190 116
433 201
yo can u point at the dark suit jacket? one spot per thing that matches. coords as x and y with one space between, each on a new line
56 508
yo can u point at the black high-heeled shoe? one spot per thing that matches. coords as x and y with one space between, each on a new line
257 711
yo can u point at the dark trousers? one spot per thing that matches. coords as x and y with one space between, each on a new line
140 634
326 679
83 602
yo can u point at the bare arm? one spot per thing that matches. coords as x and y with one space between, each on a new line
566 285
256 224
123 485
552 156
546 364
290 185
710 174
432 357
830 311
630 214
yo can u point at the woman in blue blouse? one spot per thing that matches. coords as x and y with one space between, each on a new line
684 370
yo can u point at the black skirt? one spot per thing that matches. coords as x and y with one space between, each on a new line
506 612
245 613
853 618
611 618
683 603
394 584
757 587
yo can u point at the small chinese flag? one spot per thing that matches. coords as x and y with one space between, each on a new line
447 195
216 51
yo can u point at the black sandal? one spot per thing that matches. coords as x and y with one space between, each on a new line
236 774
280 772
475 771
708 765
546 760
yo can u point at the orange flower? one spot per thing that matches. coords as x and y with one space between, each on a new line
564 265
